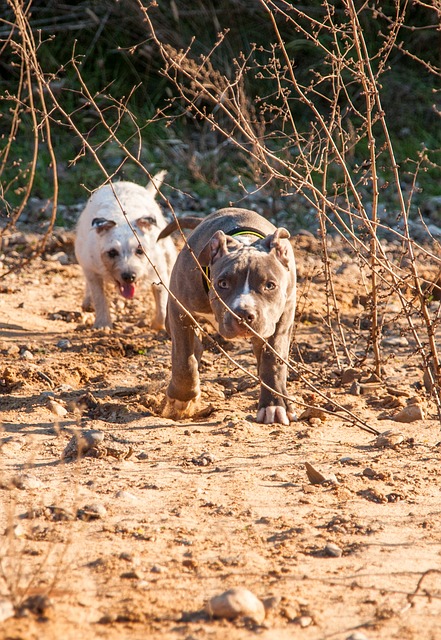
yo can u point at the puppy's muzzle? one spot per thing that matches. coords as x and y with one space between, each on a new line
245 315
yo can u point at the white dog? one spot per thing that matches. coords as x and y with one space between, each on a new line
108 250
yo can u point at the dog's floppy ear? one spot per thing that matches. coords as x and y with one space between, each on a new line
215 248
156 182
275 242
146 222
102 224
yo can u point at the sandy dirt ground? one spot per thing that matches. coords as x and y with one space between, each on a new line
135 537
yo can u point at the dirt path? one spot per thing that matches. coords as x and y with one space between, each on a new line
133 541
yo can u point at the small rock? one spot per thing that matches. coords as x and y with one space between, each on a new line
127 556
131 575
290 612
316 477
17 531
60 257
411 413
56 408
81 443
58 514
349 375
92 512
355 388
6 610
64 343
26 354
237 603
126 495
357 635
388 439
158 568
333 551
313 412
398 341
204 459
304 621
64 388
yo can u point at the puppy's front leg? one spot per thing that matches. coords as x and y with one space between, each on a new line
95 290
183 393
272 407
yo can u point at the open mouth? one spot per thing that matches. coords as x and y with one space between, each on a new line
127 290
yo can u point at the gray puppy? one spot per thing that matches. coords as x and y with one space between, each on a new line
249 282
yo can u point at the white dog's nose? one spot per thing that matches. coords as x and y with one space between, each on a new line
128 276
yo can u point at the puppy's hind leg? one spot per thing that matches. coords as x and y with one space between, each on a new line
95 293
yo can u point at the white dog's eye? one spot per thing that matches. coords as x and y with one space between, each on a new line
270 286
113 253
139 251
222 284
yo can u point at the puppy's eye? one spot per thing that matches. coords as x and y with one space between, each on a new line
222 283
139 251
113 253
270 286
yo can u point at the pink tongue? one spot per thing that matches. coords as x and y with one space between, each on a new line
127 290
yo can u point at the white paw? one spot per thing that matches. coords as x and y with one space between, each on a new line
275 415
102 324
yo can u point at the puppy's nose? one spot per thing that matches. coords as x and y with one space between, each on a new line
245 315
128 276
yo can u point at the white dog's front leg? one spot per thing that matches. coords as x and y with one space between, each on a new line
160 294
95 288
87 300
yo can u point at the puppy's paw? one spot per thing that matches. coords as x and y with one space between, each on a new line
180 409
275 414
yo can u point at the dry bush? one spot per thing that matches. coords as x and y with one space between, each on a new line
322 134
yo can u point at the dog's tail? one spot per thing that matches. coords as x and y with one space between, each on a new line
191 222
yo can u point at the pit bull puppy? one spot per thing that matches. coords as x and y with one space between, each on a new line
249 282
108 251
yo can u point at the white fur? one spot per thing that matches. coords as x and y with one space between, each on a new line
111 232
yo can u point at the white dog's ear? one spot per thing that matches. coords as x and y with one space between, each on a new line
102 224
145 223
155 183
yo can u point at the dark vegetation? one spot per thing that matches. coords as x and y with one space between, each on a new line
120 64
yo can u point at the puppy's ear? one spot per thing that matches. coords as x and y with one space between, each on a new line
276 242
215 248
102 224
219 245
155 183
145 223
